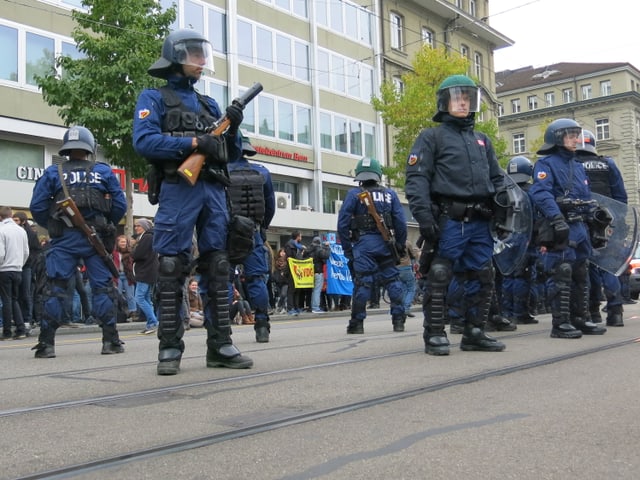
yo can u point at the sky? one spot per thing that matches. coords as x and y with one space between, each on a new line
553 31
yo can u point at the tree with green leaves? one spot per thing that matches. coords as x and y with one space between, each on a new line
117 42
410 111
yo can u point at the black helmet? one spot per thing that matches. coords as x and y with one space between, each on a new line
520 169
77 138
247 148
555 133
588 143
178 48
453 86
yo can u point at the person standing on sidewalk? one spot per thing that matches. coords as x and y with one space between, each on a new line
26 288
319 252
14 252
145 271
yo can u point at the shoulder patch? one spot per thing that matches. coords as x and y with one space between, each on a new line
481 142
413 159
144 113
542 175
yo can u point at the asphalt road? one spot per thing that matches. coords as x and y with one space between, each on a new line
320 404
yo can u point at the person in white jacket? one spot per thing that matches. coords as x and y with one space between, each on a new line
14 252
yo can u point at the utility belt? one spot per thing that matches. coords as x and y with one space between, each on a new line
466 211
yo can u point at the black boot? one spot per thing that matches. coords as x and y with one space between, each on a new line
587 327
111 342
355 327
398 323
262 333
169 361
44 350
498 323
46 341
435 340
614 316
227 356
474 339
456 325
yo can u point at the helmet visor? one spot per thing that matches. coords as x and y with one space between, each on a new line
586 142
462 100
195 53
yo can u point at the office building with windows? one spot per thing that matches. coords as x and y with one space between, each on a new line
602 97
320 62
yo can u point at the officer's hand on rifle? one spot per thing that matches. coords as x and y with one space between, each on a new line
560 231
235 116
212 147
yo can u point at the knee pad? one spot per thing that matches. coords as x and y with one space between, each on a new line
173 267
563 273
440 273
579 272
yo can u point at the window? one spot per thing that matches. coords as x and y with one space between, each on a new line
567 95
193 16
335 11
266 116
472 8
458 4
398 84
369 140
323 68
285 61
245 48
297 7
515 105
325 131
285 121
396 25
218 31
550 99
16 155
302 61
519 143
353 80
338 74
345 76
500 109
9 63
602 129
477 65
40 56
303 122
428 37
605 88
340 134
464 51
264 48
532 102
355 131
586 92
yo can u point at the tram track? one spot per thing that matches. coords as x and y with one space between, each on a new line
169 448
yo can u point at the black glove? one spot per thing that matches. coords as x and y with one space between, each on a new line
212 147
560 231
430 233
235 116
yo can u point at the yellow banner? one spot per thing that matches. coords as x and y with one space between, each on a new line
302 272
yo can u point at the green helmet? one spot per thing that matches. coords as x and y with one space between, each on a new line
368 169
454 86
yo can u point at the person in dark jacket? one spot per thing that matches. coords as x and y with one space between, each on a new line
319 252
145 270
452 176
25 296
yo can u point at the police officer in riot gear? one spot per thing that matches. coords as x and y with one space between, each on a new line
452 176
561 194
99 197
252 196
370 256
605 179
517 286
169 124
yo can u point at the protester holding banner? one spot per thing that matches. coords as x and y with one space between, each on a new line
294 251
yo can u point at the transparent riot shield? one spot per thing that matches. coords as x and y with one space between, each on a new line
511 227
616 242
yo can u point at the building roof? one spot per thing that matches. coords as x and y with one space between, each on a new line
529 77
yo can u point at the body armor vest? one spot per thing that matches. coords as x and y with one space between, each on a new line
179 121
247 194
597 170
78 179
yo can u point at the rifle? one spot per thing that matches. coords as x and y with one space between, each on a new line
73 218
387 234
192 165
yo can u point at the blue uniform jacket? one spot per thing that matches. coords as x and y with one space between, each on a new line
388 202
148 139
101 177
558 175
267 188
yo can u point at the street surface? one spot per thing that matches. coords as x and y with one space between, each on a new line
320 404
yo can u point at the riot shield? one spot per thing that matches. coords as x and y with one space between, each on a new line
618 240
511 227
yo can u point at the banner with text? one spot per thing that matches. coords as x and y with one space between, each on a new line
302 272
339 280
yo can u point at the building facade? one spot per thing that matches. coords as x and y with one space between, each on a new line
602 97
319 63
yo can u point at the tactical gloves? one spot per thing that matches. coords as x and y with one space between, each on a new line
235 116
213 147
560 231
430 233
